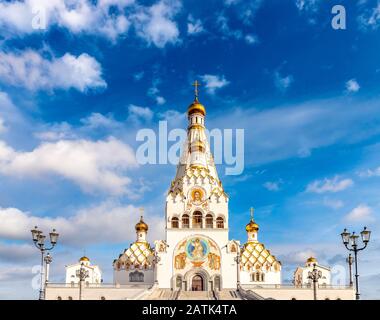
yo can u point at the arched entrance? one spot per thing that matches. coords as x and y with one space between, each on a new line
197 283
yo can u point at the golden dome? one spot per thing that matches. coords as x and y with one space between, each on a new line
195 107
141 225
311 260
252 226
84 258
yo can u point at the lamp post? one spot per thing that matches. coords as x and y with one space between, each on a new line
82 274
350 241
156 259
350 261
238 261
39 241
315 275
48 260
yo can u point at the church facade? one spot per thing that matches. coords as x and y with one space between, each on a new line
197 254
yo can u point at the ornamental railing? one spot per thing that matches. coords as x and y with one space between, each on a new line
292 286
98 285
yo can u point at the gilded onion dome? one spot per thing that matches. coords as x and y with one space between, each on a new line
252 226
141 225
196 107
84 259
311 260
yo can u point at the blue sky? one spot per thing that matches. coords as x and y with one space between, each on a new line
74 95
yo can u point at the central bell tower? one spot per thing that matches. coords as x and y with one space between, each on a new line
196 216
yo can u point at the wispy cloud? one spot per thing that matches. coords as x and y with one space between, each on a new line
352 85
194 26
283 82
333 185
360 213
214 82
273 185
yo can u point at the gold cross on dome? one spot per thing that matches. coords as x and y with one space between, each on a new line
251 210
196 84
141 212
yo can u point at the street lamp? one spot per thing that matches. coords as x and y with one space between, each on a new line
350 241
39 241
350 261
48 260
82 274
238 261
315 275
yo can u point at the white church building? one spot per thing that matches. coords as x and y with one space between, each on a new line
197 254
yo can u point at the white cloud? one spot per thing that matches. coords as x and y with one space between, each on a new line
251 39
361 213
282 82
329 185
307 5
298 129
370 173
10 252
139 75
137 113
214 82
104 17
108 222
272 186
94 166
156 25
194 26
174 117
352 85
31 70
111 19
97 120
370 18
297 257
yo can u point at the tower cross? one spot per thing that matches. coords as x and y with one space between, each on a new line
196 84
141 213
251 211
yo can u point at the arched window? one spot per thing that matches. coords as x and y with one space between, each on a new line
185 221
136 276
197 219
70 298
220 223
175 222
262 277
59 298
209 221
258 277
102 298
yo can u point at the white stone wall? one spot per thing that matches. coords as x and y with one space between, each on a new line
270 277
94 293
